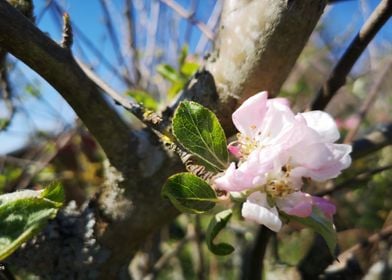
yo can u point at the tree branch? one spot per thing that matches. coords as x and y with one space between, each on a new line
372 142
339 74
57 66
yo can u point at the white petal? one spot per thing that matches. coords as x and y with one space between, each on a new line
256 209
324 124
249 116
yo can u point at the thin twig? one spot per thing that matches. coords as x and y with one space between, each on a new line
212 23
6 90
190 16
339 74
372 142
130 23
381 235
254 271
113 36
164 259
364 176
149 118
371 98
44 159
200 271
85 40
67 32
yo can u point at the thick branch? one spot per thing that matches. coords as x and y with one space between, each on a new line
258 44
56 65
339 74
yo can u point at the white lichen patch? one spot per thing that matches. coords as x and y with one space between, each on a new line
244 25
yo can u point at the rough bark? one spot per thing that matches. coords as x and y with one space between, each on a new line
259 42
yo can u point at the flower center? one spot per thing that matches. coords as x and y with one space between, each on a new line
278 188
247 144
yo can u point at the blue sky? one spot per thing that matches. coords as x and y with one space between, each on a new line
87 15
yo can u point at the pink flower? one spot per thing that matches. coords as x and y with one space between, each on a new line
276 150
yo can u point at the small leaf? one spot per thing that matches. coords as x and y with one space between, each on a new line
189 68
144 98
54 192
183 55
320 224
24 213
168 73
189 193
217 223
200 132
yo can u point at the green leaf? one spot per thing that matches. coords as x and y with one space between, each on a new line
183 55
54 192
217 223
320 224
189 193
200 132
144 98
175 89
189 68
168 73
24 213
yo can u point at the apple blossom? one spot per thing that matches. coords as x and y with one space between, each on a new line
276 150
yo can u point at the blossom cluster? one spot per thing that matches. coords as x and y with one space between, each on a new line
277 150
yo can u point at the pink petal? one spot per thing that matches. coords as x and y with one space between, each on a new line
296 204
234 150
234 180
256 209
327 207
249 116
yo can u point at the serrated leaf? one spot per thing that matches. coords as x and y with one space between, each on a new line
189 193
144 98
217 223
24 213
320 224
199 131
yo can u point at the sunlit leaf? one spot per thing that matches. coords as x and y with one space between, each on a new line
189 193
144 98
200 132
24 213
168 73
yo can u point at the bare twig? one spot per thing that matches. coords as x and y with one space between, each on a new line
211 24
164 259
58 67
344 258
200 269
6 90
338 76
254 269
67 32
371 98
132 39
113 37
190 16
83 38
42 160
149 118
364 176
372 142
